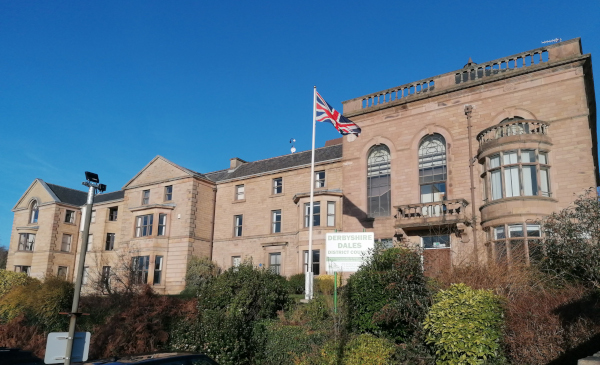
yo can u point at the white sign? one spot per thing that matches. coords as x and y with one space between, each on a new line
346 251
56 347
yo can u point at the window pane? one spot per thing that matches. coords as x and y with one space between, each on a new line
499 233
517 251
378 181
545 182
500 247
515 230
510 157
330 214
496 185
543 157
527 155
533 230
494 161
530 183
511 180
442 241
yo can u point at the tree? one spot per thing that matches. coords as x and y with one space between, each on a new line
3 257
572 241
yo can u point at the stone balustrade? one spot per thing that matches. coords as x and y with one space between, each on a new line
422 214
478 71
398 93
513 128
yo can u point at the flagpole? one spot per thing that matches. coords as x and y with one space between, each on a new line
309 271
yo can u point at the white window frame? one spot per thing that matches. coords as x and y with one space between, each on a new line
276 221
146 197
316 214
67 240
238 224
240 192
330 214
162 224
275 267
69 216
26 242
277 186
143 225
109 245
320 179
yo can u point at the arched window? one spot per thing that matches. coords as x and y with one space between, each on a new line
35 211
378 181
432 168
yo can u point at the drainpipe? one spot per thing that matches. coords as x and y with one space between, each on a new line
472 159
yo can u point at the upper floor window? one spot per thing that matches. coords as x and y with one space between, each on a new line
319 179
70 216
278 185
237 225
110 242
330 214
239 192
522 172
143 225
112 213
378 181
168 193
66 243
316 214
145 197
162 224
276 221
35 211
93 216
432 168
90 242
26 241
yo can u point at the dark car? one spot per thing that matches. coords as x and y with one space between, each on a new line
157 359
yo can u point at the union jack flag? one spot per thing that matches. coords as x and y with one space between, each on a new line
325 113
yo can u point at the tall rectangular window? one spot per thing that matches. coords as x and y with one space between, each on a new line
330 214
26 241
145 197
237 225
62 272
316 214
86 274
139 269
168 193
143 225
70 216
316 261
278 185
236 261
162 224
545 181
276 221
105 277
158 266
511 181
239 192
110 242
93 216
112 213
319 179
66 243
90 242
275 262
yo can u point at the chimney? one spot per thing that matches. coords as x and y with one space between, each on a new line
235 162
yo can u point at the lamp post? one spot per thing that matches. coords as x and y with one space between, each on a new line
93 184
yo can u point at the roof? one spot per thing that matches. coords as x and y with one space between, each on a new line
277 163
78 197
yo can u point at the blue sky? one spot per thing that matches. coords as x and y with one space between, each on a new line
105 86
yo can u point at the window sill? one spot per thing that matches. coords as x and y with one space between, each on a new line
276 195
239 201
25 251
516 198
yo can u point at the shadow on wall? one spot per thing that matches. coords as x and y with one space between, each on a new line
350 209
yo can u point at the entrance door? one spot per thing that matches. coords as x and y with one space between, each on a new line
437 259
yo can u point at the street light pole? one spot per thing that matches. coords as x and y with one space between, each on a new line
92 183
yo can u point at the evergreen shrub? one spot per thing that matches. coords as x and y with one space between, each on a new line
296 284
200 272
464 326
10 279
388 295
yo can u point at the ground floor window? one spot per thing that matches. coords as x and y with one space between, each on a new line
23 269
139 269
236 261
385 242
62 272
316 261
105 277
515 244
275 262
158 267
439 241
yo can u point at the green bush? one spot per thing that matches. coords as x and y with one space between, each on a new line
229 307
388 295
40 303
296 284
572 241
11 279
465 326
364 349
200 272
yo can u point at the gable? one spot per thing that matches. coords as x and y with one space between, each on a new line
157 170
37 190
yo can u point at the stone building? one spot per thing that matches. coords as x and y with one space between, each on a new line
462 164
